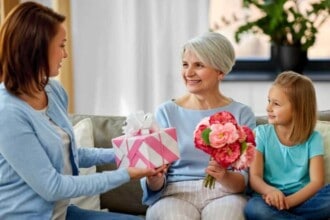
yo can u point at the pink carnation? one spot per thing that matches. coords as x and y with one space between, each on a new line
222 117
227 142
228 154
221 135
249 135
246 158
198 137
242 134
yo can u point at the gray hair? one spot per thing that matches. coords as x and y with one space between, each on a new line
214 50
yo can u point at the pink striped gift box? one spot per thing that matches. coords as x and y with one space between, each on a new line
149 150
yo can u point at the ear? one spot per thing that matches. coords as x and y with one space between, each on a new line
221 75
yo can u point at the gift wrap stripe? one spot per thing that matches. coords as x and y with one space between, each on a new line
147 150
152 147
140 160
167 152
120 150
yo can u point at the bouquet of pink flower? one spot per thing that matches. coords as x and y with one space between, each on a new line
228 143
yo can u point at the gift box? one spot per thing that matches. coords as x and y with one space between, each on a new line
146 150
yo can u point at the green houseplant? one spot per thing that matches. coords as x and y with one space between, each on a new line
291 30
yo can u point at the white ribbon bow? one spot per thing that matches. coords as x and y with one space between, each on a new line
139 123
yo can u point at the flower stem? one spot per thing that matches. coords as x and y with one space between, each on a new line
209 181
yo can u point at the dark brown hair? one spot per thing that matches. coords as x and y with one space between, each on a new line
301 93
25 36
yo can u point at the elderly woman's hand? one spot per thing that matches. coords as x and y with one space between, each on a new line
156 181
215 170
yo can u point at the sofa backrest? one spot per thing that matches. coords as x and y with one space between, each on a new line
104 127
322 115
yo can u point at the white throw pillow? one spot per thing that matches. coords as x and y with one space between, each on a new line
83 131
324 128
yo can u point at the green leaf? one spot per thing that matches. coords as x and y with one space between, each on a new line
284 23
243 147
205 135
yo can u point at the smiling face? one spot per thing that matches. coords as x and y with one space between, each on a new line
57 51
198 77
279 107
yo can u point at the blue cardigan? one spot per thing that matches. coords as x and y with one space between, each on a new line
31 159
192 162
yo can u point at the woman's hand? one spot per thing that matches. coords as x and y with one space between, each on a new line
215 170
138 173
156 181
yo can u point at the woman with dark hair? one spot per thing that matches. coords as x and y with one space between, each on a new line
38 156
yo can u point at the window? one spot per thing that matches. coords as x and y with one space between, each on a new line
253 51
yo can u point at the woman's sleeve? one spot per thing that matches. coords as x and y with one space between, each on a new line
22 150
95 156
150 197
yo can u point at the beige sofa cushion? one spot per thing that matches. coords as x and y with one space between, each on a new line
83 131
324 128
104 129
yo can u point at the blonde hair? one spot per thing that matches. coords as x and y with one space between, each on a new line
214 50
301 93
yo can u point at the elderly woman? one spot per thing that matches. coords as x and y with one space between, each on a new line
179 194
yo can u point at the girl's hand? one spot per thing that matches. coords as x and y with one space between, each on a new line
276 198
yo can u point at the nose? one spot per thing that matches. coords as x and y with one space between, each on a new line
268 107
65 53
189 71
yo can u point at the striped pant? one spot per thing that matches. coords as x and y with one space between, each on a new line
190 200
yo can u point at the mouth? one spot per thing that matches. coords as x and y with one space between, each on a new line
192 82
271 117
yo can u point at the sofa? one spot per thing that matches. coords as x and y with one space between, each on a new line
127 198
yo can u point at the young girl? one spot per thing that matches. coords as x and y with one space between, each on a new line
288 174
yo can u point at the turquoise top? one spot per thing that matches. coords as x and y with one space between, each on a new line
286 167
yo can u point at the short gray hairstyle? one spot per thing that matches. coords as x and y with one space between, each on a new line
214 50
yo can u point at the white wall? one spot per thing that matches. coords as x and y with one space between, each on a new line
254 94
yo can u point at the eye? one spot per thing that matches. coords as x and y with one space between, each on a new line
184 65
200 65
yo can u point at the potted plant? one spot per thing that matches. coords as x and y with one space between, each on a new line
291 30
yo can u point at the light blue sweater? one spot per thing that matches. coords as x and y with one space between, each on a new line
31 159
192 162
